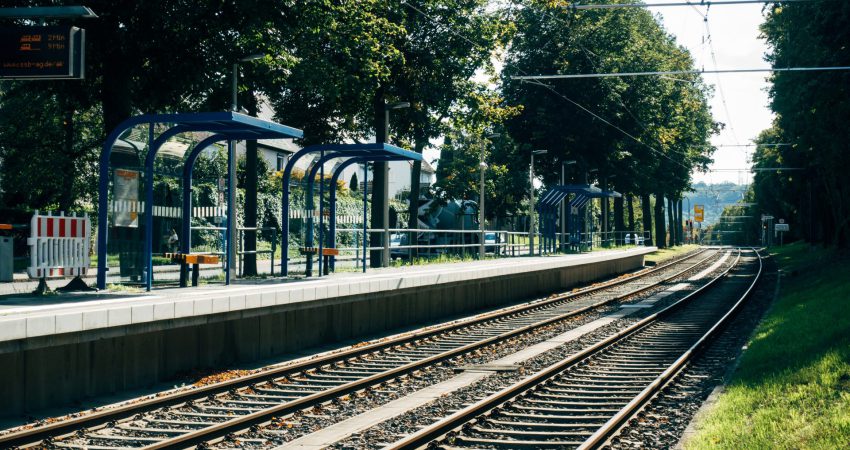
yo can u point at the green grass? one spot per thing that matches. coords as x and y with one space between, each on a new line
792 388
668 253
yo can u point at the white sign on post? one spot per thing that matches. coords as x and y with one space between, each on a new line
59 245
126 204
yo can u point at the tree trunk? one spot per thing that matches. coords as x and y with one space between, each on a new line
630 207
671 221
646 212
67 196
116 76
249 267
619 222
413 201
379 193
679 226
660 231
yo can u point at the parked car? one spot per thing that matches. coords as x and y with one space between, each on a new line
636 239
490 241
397 240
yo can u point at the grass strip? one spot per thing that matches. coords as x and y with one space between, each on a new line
664 254
792 387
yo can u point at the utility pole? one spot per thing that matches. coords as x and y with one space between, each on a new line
381 190
604 211
563 218
482 165
531 228
232 222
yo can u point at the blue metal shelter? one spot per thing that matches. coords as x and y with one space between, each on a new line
326 152
549 203
226 126
331 238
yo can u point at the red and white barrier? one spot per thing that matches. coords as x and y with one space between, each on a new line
59 245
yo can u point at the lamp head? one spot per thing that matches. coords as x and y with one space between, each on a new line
252 57
399 105
540 152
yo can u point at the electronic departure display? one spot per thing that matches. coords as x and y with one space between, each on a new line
53 52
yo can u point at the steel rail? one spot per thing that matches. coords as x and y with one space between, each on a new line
243 423
457 420
632 407
100 419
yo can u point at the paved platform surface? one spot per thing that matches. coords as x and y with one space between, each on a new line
23 316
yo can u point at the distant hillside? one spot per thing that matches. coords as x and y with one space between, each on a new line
714 197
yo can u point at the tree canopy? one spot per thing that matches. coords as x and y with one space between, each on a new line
811 112
329 67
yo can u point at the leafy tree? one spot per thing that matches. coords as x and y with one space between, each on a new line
812 112
648 133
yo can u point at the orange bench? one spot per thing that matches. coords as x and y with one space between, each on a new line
314 250
327 253
195 260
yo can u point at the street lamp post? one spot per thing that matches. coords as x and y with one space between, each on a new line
606 236
232 232
588 230
564 205
531 229
482 166
235 82
385 257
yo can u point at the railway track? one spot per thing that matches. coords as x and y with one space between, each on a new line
581 401
188 418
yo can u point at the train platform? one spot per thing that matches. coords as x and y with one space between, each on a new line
97 343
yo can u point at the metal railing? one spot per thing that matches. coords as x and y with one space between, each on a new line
271 251
264 247
437 244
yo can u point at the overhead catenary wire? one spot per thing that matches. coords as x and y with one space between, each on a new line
677 72
746 145
694 3
593 64
719 83
603 120
554 91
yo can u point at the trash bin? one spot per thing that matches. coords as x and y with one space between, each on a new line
7 260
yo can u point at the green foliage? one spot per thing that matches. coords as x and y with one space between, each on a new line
329 66
46 142
151 56
669 118
458 174
812 111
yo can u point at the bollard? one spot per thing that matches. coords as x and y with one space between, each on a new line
7 260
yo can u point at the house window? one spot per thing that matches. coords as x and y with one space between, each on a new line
281 161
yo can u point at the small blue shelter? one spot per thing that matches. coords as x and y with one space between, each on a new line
350 153
226 126
548 206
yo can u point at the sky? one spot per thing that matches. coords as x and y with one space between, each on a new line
735 39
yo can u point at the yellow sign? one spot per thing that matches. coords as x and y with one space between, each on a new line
699 212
